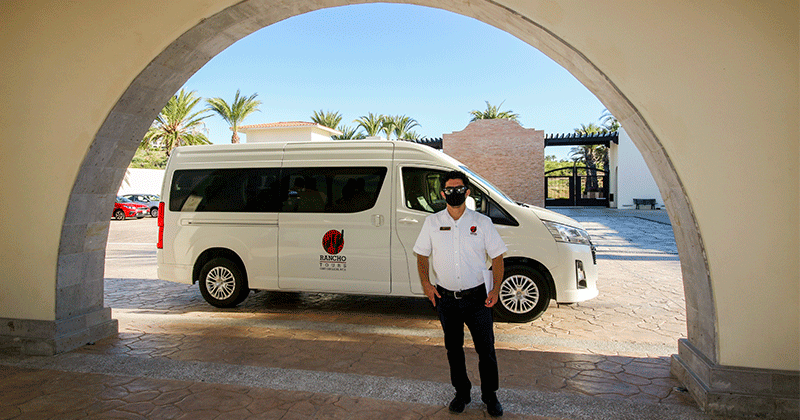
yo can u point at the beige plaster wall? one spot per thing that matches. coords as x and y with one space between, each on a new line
716 82
64 65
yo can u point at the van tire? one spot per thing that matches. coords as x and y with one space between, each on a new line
222 283
524 295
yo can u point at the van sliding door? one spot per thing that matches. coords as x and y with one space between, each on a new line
334 226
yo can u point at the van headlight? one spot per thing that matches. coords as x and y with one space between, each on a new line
568 234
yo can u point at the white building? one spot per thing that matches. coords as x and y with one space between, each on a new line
629 177
287 131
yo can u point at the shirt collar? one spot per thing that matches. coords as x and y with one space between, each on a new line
449 219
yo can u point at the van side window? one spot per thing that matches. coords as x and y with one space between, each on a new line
421 187
225 190
330 190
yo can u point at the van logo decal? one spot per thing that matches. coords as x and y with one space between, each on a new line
333 241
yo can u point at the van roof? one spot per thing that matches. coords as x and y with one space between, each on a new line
276 145
311 146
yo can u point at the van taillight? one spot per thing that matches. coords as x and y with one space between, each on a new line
160 244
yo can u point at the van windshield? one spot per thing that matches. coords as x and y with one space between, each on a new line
486 183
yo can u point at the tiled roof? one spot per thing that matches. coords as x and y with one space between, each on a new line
284 124
287 124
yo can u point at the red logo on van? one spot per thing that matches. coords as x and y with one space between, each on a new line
333 241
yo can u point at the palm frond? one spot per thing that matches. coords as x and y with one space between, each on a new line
371 123
236 112
349 133
493 112
174 123
327 119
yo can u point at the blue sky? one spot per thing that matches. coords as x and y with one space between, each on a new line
432 65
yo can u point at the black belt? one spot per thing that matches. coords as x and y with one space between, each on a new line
460 293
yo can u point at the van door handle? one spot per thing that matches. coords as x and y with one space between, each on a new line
377 220
408 221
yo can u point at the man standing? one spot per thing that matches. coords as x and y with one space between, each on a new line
457 240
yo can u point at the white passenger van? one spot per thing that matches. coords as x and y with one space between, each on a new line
342 217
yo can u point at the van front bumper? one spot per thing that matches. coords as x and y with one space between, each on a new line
576 275
577 295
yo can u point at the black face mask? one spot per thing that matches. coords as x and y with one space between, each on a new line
456 199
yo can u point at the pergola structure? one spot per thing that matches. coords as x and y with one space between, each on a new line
581 139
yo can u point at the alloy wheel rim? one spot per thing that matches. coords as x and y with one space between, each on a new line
519 294
220 283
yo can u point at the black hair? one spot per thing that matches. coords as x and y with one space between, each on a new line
455 175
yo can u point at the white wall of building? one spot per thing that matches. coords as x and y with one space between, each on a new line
282 134
630 176
142 181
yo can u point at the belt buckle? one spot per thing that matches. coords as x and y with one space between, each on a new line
456 294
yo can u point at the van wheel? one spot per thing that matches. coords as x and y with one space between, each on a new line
222 283
119 214
523 295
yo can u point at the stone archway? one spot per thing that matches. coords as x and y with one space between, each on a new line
79 283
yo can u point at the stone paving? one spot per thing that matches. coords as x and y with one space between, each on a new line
307 355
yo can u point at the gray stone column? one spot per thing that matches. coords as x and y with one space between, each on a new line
735 391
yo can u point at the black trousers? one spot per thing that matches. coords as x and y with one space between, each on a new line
469 310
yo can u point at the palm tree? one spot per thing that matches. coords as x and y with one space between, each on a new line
590 128
403 125
349 133
388 125
177 124
493 112
236 112
371 123
410 135
327 119
590 154
398 125
610 122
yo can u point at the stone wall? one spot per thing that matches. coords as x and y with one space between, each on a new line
508 155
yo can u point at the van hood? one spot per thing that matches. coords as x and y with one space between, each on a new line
552 216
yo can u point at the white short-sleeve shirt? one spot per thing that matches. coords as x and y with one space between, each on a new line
458 248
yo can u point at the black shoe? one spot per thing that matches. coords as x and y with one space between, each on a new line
459 403
494 408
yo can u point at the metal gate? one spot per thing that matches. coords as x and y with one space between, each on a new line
576 186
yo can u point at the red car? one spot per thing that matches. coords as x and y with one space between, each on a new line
124 208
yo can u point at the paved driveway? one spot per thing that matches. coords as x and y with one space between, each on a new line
639 312
301 355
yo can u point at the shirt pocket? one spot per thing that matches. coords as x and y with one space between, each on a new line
475 248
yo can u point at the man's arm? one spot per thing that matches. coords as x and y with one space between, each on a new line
427 287
498 271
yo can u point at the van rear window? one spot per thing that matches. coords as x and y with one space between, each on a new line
304 190
225 190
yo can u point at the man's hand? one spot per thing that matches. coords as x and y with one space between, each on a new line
492 297
498 269
427 287
430 292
